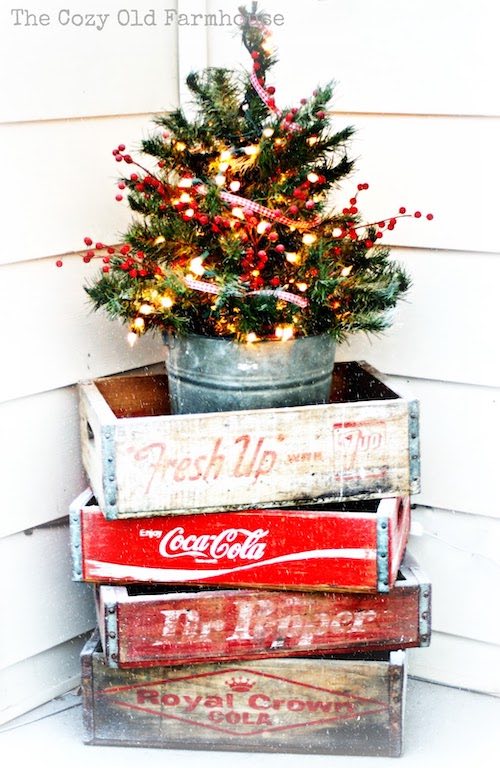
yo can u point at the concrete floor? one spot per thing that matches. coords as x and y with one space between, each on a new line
443 727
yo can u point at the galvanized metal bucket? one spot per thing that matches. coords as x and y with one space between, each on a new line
212 374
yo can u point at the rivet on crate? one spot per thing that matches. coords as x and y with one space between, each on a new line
109 474
425 615
382 555
75 544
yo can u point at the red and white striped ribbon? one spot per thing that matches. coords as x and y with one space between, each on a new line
268 213
204 287
291 298
201 285
263 94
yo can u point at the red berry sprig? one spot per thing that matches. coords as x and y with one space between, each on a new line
390 223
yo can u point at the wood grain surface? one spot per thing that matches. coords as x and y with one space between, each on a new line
362 444
141 626
350 706
356 545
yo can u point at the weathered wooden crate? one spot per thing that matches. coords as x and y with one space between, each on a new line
353 545
348 706
142 461
141 626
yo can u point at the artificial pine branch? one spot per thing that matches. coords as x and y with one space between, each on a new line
200 254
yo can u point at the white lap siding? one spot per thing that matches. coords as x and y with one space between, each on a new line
70 94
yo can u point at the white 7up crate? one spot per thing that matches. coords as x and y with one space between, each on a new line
143 461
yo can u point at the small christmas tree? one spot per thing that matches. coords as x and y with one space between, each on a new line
234 234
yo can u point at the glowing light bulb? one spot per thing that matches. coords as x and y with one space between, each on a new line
313 177
238 212
196 266
293 258
180 146
346 271
284 332
226 154
131 338
302 286
185 183
262 227
159 240
312 140
309 238
251 337
146 309
337 232
138 323
185 197
166 302
234 186
223 167
268 132
251 150
220 180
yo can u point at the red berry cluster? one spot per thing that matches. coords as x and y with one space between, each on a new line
133 263
119 156
271 102
252 263
302 195
351 228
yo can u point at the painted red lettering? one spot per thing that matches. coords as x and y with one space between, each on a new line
170 700
266 463
213 701
238 470
259 701
216 716
198 462
156 466
191 703
354 439
181 469
147 696
215 462
235 718
263 719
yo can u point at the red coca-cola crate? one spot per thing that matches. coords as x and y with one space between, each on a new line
347 706
144 626
355 546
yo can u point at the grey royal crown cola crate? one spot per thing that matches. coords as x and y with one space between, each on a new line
346 706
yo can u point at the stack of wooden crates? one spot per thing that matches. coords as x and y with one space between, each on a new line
252 588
